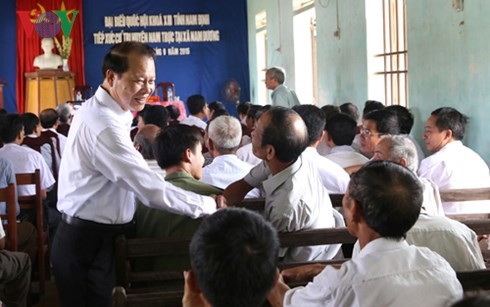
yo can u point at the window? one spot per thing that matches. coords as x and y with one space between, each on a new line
261 43
304 28
387 53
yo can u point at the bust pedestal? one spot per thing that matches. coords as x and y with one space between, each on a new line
47 88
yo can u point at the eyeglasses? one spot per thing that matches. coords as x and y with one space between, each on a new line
368 132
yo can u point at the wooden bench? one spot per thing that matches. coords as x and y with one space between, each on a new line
257 204
128 249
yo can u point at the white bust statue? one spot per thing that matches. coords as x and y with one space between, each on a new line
48 60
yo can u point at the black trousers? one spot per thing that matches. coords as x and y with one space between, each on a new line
83 261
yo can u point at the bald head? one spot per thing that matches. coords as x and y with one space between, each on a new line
143 141
284 129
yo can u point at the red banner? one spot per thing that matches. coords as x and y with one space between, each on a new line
48 18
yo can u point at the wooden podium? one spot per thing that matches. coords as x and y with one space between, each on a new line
47 88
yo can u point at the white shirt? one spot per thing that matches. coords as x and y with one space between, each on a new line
245 153
101 170
27 160
2 231
192 120
153 164
226 169
456 166
333 177
322 148
453 240
420 152
62 139
431 204
385 273
346 156
295 199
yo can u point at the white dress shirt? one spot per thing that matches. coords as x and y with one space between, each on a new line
192 120
62 139
295 199
226 169
456 166
346 156
101 170
333 177
27 160
432 204
453 240
385 273
245 153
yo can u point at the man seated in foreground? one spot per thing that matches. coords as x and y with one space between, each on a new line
178 150
451 239
234 258
387 271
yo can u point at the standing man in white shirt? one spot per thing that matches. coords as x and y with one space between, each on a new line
100 176
198 109
453 165
382 203
281 94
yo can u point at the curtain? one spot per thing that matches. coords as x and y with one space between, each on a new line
29 42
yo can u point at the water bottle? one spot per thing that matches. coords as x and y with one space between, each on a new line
170 94
78 96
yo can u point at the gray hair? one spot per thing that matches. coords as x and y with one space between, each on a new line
401 146
277 73
64 111
226 133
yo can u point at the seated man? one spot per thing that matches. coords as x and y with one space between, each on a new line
405 120
341 130
223 136
453 165
198 110
374 125
143 142
24 159
32 130
15 275
178 150
295 197
65 112
234 258
387 271
50 120
449 238
333 177
245 153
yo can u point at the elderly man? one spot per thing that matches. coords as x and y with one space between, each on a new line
449 238
281 95
222 137
295 198
453 165
382 203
